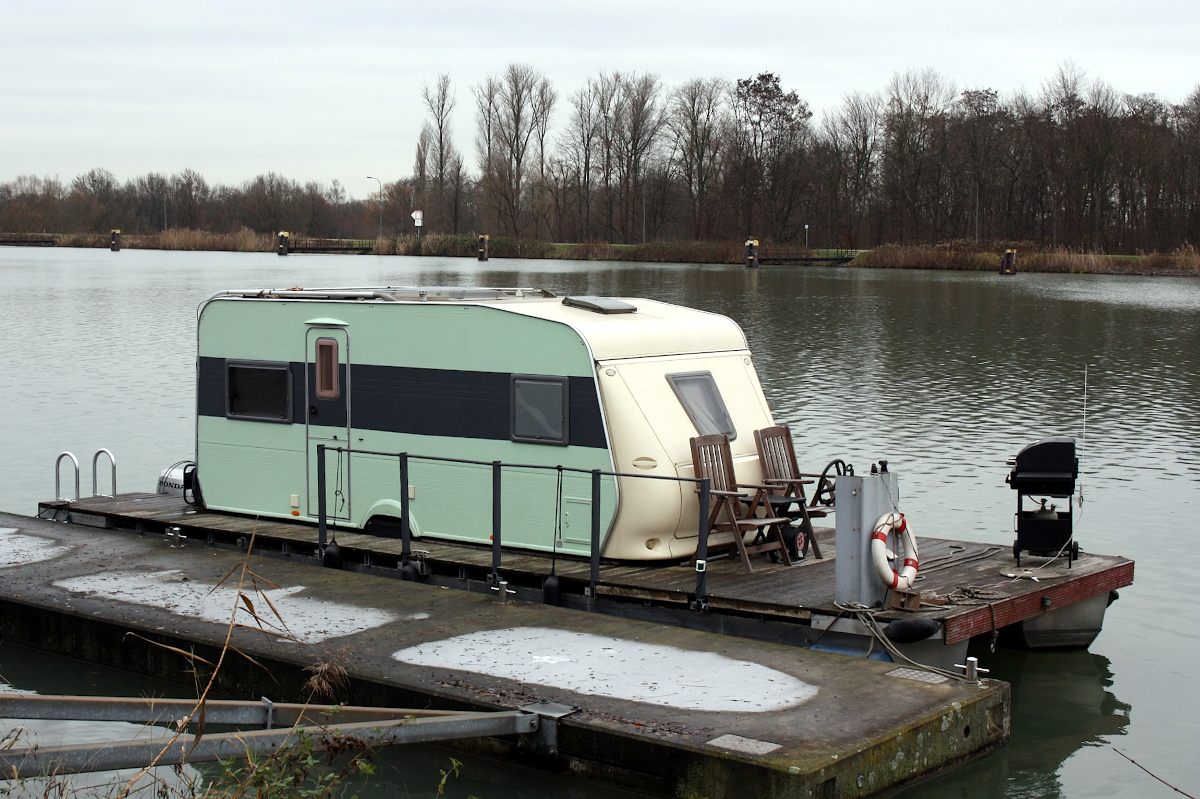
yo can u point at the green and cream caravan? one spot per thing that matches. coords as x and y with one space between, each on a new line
510 375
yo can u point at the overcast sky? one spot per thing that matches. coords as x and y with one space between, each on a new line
331 90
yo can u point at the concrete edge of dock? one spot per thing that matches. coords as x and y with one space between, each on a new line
970 722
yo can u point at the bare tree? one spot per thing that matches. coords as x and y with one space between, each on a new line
443 157
487 147
643 121
577 146
694 118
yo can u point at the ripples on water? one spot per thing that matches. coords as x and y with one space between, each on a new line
944 374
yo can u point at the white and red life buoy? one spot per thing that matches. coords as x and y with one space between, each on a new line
902 580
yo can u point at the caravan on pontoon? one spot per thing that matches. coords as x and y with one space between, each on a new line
518 376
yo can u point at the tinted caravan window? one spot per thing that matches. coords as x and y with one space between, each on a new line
261 391
539 409
697 393
327 369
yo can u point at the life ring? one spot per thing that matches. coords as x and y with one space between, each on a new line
902 580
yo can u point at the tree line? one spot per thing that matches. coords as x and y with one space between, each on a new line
626 158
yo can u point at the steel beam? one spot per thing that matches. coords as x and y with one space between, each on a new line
151 710
109 756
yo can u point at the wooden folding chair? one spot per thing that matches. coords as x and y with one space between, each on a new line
711 458
786 498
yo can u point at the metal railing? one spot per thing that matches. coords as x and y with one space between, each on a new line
703 489
58 497
112 461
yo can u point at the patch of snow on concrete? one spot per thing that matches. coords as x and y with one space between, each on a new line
307 620
620 668
17 549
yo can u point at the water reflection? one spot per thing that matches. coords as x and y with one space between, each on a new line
1062 702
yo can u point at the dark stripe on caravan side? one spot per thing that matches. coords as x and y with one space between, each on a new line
430 402
210 387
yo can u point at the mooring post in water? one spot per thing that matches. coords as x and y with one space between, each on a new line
594 578
283 244
114 240
1008 262
321 530
702 547
483 248
751 253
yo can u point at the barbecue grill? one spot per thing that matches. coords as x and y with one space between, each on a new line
1043 471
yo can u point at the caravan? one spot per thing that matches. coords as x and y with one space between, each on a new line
518 376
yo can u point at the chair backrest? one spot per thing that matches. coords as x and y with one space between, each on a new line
711 458
776 454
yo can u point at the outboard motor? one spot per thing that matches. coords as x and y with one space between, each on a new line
170 482
1045 470
179 480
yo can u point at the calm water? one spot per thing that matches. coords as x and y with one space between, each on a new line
945 375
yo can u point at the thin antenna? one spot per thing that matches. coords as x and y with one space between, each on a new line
1083 447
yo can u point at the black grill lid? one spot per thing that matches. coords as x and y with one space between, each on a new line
1048 466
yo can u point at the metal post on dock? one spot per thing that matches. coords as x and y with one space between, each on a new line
321 523
112 462
496 523
114 240
57 480
483 247
702 547
751 253
405 533
283 244
594 578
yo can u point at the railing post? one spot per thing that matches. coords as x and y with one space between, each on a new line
405 533
112 459
702 545
595 565
321 531
496 522
57 479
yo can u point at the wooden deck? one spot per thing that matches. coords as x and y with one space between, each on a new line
949 569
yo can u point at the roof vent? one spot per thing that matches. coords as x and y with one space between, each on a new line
599 304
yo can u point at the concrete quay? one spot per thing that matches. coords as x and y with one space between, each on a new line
661 710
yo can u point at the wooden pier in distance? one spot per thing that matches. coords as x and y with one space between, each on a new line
803 256
968 577
301 246
28 240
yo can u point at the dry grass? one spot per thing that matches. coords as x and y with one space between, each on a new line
965 255
244 240
464 245
968 256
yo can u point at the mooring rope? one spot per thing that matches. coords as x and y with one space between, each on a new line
866 616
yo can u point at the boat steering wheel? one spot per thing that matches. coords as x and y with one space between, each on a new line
826 487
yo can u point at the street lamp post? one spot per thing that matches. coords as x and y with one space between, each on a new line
379 202
806 237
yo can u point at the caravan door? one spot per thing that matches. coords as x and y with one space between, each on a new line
327 414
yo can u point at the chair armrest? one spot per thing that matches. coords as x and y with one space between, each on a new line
757 487
787 481
715 493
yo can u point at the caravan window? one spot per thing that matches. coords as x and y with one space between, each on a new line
257 390
539 409
697 393
327 369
